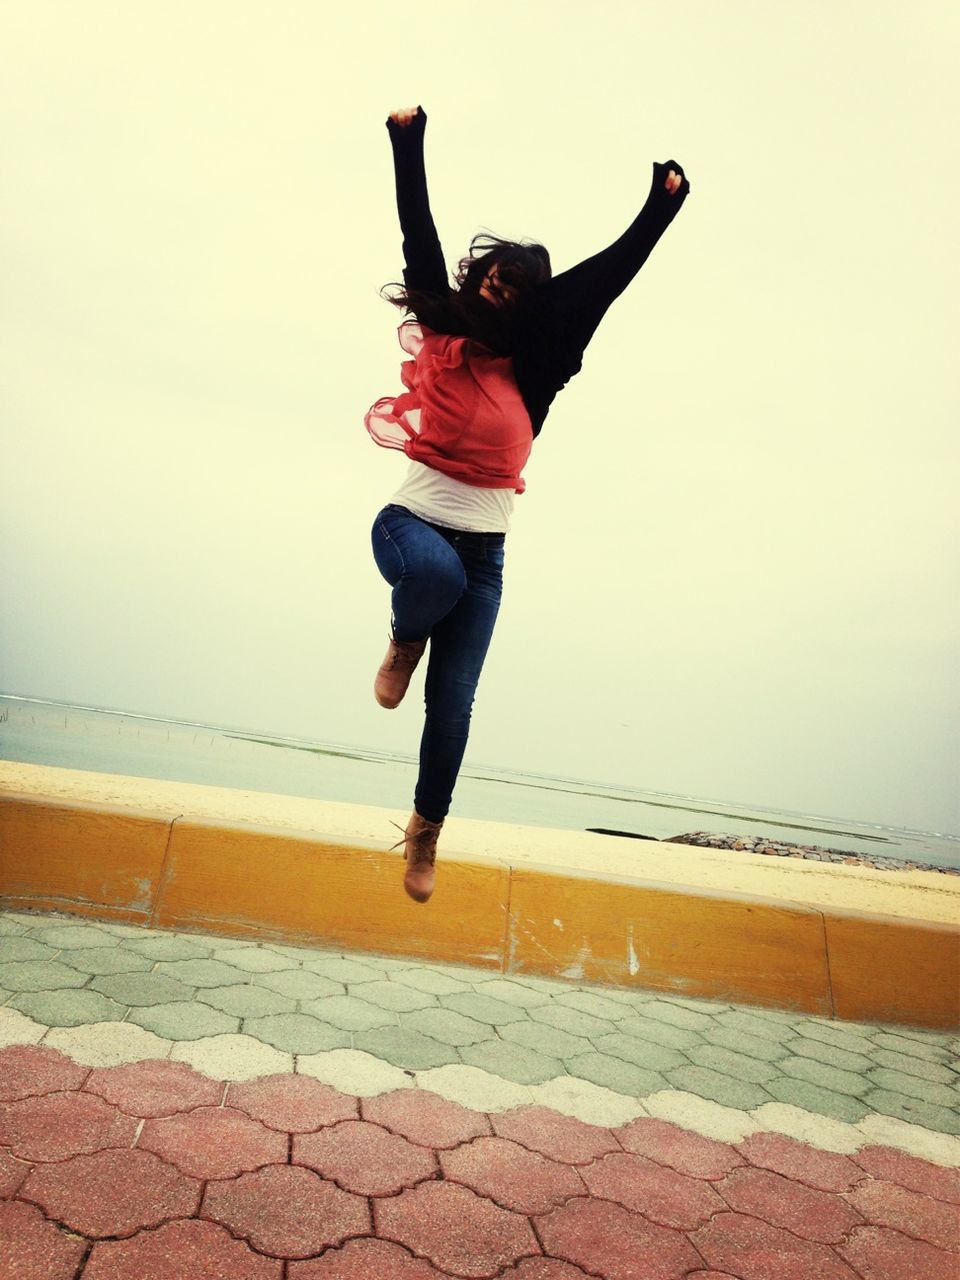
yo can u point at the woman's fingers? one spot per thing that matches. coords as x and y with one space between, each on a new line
673 182
403 115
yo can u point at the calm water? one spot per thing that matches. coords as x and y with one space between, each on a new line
38 732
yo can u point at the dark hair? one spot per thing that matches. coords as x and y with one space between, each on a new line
521 265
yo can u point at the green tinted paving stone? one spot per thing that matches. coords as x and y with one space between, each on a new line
184 1020
614 1073
730 1063
339 969
839 1037
39 975
392 996
826 1077
709 1007
68 1008
545 1039
101 961
926 1114
929 1052
246 1001
298 984
719 1087
167 946
512 1062
589 1002
447 1026
142 988
934 1071
570 1020
484 1008
77 935
202 973
350 1014
431 982
756 1024
630 1000
26 949
642 1053
658 1032
940 1095
296 1033
829 1054
252 959
810 1097
675 1015
10 928
404 1048
515 993
743 1042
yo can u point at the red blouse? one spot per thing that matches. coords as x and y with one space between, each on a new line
461 413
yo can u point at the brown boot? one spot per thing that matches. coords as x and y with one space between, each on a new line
396 669
420 852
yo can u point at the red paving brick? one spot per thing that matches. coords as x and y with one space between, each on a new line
822 1170
213 1142
754 1250
544 1269
31 1248
661 1194
880 1254
515 1178
364 1158
180 1250
606 1238
368 1259
686 1152
814 1215
154 1087
286 1211
112 1193
12 1174
928 1179
57 1125
30 1069
884 1204
455 1229
292 1104
554 1135
425 1118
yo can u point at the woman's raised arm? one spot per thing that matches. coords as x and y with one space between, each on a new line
425 269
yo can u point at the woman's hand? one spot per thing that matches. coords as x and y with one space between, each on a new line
403 115
673 182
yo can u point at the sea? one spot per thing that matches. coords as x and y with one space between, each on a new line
37 731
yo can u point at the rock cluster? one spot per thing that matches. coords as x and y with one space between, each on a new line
817 853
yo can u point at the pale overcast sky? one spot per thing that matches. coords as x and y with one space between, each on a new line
733 574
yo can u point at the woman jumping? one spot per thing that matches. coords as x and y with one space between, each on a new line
488 357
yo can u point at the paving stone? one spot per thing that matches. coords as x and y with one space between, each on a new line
213 1142
830 1055
291 1103
756 1024
515 993
35 919
170 947
822 1170
675 1015
349 1014
296 1033
202 973
730 1063
299 984
101 961
661 1194
482 1008
425 1118
884 1204
544 1039
107 1044
286 1211
39 975
586 1101
12 1174
10 928
677 1148
615 1073
364 1158
142 988
25 949
471 1087
814 1097
472 975
825 1077
702 1115
919 1067
594 1004
719 1087
82 935
940 1095
31 1247
184 1020
903 1107
878 1253
559 1137
353 1072
392 996
512 1176
341 969
403 1048
572 1021
659 1033
68 1008
929 1052
246 1001
203 1251
889 1165
641 1053
28 1070
750 1045
806 1212
447 1026
430 982
512 1061
58 1125
455 1229
112 1193
838 1036
153 1088
364 1259
695 1002
232 1057
890 1131
757 1250
815 1128
254 959
611 1241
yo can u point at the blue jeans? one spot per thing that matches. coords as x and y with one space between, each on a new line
446 585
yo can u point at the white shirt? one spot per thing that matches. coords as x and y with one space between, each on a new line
440 499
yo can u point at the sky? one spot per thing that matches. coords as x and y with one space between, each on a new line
734 572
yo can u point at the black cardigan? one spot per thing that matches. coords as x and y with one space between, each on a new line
557 318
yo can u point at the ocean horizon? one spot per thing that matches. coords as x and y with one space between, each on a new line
103 740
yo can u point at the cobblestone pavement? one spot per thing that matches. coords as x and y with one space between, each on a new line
185 1107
